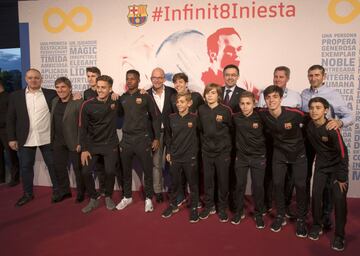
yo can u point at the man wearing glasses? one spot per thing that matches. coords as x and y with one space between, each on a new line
162 97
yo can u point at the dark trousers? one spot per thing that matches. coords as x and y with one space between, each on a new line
12 155
216 168
99 173
189 169
327 194
62 161
320 181
280 168
257 170
142 150
289 188
268 182
27 160
110 158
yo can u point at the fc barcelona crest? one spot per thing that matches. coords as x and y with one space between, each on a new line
137 15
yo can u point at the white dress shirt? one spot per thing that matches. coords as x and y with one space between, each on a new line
39 117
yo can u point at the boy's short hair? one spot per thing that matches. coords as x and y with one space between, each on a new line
247 94
134 72
105 78
179 76
93 70
212 86
64 80
320 100
187 96
273 89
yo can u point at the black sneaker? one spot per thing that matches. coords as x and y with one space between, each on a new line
180 200
278 223
338 244
223 217
315 233
194 216
206 212
267 210
301 230
259 221
237 218
169 211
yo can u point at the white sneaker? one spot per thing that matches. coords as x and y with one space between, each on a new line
123 203
148 205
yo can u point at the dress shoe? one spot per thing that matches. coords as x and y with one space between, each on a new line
58 199
13 183
159 198
24 200
79 198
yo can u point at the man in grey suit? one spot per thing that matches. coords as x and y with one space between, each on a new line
65 139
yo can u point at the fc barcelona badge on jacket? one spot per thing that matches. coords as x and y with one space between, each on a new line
219 118
138 101
112 106
324 138
255 125
287 126
190 124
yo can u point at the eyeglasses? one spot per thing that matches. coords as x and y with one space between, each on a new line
157 77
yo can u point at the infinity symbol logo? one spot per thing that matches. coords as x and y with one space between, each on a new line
343 19
67 19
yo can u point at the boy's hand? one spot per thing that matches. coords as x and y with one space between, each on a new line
115 96
168 158
155 145
343 186
85 157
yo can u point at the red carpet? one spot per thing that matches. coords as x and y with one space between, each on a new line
41 228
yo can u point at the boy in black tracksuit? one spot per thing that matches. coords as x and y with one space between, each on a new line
331 163
250 154
285 125
98 139
181 138
138 109
216 123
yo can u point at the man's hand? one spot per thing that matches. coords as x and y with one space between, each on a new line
155 145
77 96
334 124
13 145
78 148
85 157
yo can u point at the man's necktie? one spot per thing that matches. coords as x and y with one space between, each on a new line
227 97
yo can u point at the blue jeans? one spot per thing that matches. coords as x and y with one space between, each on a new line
27 160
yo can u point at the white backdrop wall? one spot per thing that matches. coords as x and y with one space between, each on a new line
64 37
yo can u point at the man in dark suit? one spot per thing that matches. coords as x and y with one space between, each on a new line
162 97
65 139
231 92
231 96
14 171
28 127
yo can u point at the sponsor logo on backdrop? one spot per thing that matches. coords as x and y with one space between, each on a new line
67 19
137 15
348 17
